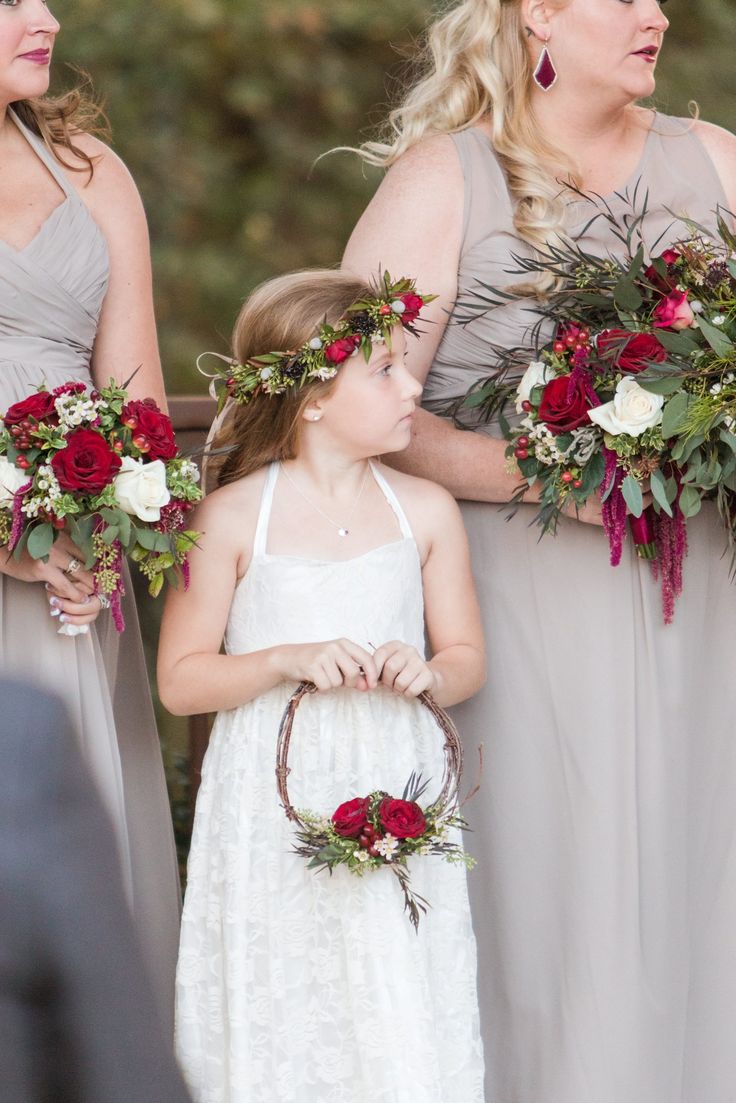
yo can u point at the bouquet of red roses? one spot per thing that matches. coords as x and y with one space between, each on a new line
105 470
636 391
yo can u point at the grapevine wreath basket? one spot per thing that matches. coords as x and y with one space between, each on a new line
376 831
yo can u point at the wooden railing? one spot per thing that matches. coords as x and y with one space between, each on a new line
192 416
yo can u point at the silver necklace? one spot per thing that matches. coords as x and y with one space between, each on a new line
342 530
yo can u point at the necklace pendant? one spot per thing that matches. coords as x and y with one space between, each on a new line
343 532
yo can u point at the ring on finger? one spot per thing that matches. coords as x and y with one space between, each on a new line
104 601
72 566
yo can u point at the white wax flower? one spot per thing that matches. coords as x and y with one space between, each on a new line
536 375
11 480
632 410
140 488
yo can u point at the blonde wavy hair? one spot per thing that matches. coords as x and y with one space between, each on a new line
475 65
281 314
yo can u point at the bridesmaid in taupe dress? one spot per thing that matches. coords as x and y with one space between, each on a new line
605 897
75 304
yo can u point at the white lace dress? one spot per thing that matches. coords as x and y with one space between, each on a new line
296 986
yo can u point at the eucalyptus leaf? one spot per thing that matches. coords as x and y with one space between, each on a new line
659 491
674 414
716 338
632 495
40 541
665 385
681 342
690 501
626 295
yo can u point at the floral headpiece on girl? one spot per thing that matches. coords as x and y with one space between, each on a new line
365 321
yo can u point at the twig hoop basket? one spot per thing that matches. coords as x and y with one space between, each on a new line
447 798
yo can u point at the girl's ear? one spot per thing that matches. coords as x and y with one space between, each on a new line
312 412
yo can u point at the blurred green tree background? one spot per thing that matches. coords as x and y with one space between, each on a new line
221 109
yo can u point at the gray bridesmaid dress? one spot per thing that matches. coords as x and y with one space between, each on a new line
51 294
605 896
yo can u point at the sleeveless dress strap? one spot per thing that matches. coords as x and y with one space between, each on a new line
45 154
394 502
264 513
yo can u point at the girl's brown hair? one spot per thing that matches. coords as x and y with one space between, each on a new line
280 315
57 119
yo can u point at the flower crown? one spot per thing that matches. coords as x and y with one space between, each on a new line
365 321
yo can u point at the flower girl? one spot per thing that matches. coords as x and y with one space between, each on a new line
318 564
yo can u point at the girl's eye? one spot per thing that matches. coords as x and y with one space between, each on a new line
385 370
9 3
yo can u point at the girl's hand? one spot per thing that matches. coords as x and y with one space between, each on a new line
329 664
403 669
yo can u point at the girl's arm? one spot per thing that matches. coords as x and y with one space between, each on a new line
126 339
192 674
457 667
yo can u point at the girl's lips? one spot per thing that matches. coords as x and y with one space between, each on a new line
39 56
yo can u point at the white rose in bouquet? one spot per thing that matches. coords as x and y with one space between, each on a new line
536 375
631 411
11 480
140 488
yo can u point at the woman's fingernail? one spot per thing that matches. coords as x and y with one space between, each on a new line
62 618
47 585
53 601
55 612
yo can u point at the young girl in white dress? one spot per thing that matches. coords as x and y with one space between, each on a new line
317 563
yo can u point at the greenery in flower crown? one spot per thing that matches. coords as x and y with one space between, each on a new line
365 321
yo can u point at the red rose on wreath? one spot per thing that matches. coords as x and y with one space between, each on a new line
413 304
631 352
37 407
87 463
340 349
152 424
351 817
403 819
564 404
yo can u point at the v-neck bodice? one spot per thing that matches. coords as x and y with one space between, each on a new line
51 292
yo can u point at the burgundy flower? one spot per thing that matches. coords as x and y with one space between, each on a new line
564 404
351 817
403 819
37 407
87 463
152 424
630 352
413 304
340 349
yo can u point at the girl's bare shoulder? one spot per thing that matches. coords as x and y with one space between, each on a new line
428 506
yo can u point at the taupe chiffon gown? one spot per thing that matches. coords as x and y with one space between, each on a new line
51 294
605 896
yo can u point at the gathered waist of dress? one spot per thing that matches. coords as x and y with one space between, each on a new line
46 358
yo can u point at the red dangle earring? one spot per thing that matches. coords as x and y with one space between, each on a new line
545 74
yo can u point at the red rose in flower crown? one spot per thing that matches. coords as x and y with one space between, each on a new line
631 352
340 349
413 304
403 819
564 404
145 420
38 407
87 463
674 312
351 817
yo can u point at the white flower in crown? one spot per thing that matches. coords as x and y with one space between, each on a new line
387 846
536 375
632 410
